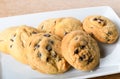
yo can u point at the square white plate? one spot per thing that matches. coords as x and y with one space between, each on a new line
110 54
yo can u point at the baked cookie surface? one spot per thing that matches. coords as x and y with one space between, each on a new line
80 50
60 26
18 40
65 25
5 37
44 54
102 28
47 25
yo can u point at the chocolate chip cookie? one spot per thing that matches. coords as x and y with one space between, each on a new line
102 28
44 54
80 50
17 42
47 25
5 37
60 26
65 25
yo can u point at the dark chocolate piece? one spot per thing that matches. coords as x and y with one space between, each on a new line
49 48
47 35
11 46
82 47
39 54
76 51
12 40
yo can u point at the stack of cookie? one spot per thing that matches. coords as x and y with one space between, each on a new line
59 43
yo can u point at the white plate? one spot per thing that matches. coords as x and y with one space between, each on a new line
110 54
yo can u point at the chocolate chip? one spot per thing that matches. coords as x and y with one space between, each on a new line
91 34
65 33
39 54
81 58
104 23
91 27
39 40
108 39
14 35
55 22
89 60
12 40
95 19
37 46
59 59
51 41
109 33
76 38
23 45
49 48
76 51
47 35
99 22
47 60
29 43
84 56
34 32
82 47
101 19
11 46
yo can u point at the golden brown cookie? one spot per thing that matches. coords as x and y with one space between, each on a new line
60 26
5 38
65 25
18 40
47 25
80 50
102 28
44 54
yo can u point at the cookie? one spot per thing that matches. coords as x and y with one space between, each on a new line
60 26
44 54
80 50
47 25
65 25
102 28
18 40
5 37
